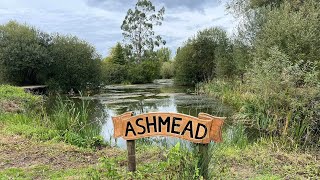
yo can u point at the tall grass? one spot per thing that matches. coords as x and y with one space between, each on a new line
25 114
74 123
273 102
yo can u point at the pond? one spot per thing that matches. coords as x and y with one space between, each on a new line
160 96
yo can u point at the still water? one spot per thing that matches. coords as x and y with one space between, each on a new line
160 96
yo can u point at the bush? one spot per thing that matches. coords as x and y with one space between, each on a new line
286 96
167 70
76 65
145 72
279 98
204 57
24 54
295 31
29 56
112 73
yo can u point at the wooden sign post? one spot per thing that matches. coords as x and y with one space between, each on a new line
202 130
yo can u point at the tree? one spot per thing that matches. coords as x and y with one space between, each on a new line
114 69
24 54
138 26
117 55
241 58
163 54
295 33
204 57
76 64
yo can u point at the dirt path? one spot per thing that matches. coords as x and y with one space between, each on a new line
19 152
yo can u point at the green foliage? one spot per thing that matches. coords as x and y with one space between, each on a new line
163 54
115 72
29 56
167 70
74 124
204 57
138 27
16 99
295 33
280 98
179 163
144 72
117 55
24 54
66 121
241 58
112 73
284 106
76 65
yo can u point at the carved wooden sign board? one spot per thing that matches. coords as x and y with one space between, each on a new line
201 129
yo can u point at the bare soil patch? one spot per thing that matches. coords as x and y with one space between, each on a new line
19 152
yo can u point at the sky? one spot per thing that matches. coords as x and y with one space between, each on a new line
99 21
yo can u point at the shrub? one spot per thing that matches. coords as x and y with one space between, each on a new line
76 64
279 98
29 56
144 72
286 94
24 54
204 57
167 70
295 31
112 73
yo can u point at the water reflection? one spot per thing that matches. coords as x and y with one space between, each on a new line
115 100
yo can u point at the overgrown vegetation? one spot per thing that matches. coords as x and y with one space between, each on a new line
206 56
25 114
269 72
29 56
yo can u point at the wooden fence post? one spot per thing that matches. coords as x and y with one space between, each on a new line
131 147
204 160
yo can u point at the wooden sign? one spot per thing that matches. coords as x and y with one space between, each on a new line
201 129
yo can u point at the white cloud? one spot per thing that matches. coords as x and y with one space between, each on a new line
98 21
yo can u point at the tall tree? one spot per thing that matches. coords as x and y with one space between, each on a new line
164 54
117 54
138 28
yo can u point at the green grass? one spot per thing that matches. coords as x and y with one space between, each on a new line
292 114
15 99
261 159
24 114
49 135
43 172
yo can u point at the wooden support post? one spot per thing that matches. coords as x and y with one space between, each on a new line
204 160
131 147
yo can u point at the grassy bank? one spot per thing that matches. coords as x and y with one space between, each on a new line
282 110
25 113
25 158
33 148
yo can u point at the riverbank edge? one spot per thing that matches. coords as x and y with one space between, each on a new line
263 159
